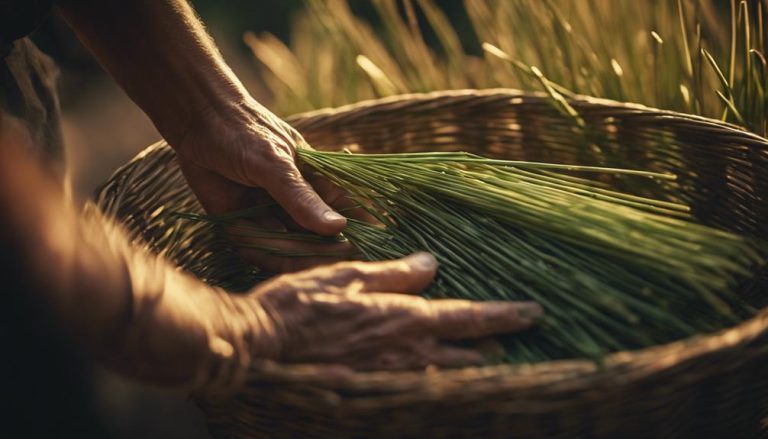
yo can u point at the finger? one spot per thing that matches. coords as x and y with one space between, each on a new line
460 319
290 190
453 357
262 240
286 256
349 207
334 196
216 194
411 274
338 198
418 356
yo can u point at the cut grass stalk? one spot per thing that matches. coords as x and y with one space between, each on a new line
614 271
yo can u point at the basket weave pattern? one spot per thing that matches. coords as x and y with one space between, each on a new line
707 386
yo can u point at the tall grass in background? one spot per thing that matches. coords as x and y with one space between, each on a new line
704 57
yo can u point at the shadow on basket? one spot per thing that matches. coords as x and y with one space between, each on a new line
705 386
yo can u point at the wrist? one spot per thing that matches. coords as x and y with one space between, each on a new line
253 326
239 332
200 116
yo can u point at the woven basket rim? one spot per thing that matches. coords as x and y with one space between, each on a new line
570 374
306 119
576 375
377 390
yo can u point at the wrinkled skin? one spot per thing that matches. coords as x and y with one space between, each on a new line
234 152
143 317
247 157
140 315
364 315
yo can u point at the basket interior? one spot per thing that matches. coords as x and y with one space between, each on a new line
722 171
696 385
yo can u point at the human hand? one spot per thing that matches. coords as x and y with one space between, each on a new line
364 315
245 156
227 143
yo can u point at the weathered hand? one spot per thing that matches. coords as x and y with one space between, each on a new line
245 156
143 317
361 315
226 142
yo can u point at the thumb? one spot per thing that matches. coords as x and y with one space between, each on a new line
293 193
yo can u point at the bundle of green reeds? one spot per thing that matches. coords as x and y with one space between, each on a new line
614 271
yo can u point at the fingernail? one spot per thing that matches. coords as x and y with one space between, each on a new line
530 310
423 261
333 216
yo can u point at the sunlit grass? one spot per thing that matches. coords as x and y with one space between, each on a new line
701 57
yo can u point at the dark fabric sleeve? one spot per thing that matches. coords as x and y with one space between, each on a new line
19 18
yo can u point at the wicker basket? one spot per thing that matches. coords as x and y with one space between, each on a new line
707 386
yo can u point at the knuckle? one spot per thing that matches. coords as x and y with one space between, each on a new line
348 271
337 274
351 267
304 196
275 154
277 286
473 317
422 309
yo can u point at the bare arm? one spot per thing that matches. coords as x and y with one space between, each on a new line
132 310
233 151
161 55
142 317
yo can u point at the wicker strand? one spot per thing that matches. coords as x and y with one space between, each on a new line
707 386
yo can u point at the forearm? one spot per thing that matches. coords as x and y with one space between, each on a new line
227 143
135 312
161 55
40 229
177 331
